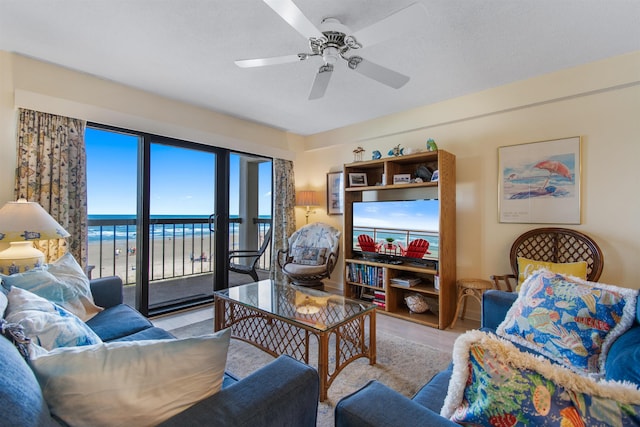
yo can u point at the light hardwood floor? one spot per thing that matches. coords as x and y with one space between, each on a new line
440 339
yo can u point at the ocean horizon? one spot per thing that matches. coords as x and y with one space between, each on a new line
128 231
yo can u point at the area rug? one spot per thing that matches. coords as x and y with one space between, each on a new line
403 365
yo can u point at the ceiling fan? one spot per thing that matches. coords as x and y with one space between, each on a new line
336 42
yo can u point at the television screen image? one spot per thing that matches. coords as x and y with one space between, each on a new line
397 229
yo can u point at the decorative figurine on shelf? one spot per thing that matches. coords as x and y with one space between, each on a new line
417 303
431 145
376 155
357 154
423 173
396 151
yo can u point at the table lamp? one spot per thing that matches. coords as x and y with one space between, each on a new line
21 223
307 198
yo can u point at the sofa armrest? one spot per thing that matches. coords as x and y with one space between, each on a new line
107 291
495 305
377 405
283 393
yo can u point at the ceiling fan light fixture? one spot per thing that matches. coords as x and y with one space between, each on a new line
330 55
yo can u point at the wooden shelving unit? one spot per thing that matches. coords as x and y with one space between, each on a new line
380 179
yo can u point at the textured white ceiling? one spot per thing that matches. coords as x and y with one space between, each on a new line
185 50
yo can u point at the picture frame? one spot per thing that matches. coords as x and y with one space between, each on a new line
539 182
402 178
335 193
358 179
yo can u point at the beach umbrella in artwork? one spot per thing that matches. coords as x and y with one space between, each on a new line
554 167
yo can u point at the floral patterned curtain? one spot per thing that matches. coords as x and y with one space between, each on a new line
284 220
52 171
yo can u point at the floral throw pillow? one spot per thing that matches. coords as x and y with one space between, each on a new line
495 384
571 321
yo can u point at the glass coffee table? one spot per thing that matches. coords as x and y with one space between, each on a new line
281 319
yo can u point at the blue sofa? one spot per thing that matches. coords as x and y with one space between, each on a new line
283 393
362 408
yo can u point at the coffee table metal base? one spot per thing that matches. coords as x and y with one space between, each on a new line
277 336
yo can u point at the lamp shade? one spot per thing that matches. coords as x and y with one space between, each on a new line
21 223
307 198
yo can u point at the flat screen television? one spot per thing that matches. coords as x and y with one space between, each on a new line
393 230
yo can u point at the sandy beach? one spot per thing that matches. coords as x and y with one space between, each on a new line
170 257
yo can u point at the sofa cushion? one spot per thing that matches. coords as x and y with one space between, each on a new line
623 361
141 383
21 399
117 322
48 325
568 320
526 267
153 333
493 383
432 394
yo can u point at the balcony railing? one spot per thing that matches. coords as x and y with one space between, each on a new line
179 247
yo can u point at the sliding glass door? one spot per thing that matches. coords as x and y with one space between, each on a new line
164 214
182 226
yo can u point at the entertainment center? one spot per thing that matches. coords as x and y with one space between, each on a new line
400 237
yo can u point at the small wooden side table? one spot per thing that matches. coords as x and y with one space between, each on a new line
470 288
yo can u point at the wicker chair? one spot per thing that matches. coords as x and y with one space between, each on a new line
322 241
558 245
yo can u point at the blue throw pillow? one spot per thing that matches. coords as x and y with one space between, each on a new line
569 320
48 325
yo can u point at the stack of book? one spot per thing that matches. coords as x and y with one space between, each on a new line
380 299
405 281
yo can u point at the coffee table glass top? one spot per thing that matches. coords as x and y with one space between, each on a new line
309 307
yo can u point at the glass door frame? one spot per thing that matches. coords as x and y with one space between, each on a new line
220 223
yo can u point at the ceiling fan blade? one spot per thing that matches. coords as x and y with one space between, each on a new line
321 81
377 72
294 16
399 22
261 62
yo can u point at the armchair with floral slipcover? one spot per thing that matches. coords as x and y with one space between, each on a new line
311 255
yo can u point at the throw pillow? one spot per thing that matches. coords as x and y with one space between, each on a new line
141 383
309 256
46 324
67 270
570 321
61 282
495 384
527 266
3 301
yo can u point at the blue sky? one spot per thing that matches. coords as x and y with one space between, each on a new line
182 180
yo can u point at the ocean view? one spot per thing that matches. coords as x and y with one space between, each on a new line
122 227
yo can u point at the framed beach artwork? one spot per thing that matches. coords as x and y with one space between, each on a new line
335 187
539 182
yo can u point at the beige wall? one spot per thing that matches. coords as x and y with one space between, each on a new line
599 102
28 83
